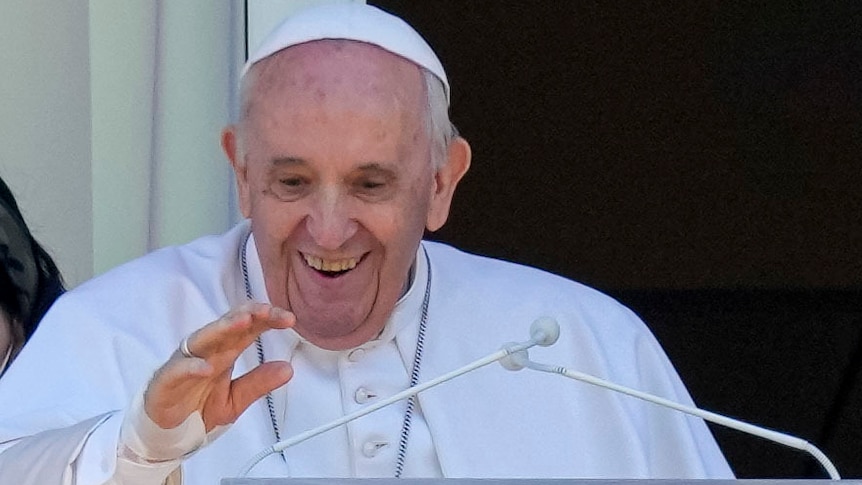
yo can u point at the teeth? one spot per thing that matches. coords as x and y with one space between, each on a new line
321 264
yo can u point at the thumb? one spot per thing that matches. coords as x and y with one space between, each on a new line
246 389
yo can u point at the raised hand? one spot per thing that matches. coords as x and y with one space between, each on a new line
201 379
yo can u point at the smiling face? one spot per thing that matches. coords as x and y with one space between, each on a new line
333 165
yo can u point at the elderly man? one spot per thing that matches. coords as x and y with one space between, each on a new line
182 365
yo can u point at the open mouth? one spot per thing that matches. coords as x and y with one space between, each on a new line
331 268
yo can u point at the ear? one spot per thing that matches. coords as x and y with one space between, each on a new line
230 145
445 181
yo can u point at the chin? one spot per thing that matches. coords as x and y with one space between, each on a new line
336 337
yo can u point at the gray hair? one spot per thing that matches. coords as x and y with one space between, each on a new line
441 131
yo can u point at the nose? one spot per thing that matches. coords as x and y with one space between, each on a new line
329 222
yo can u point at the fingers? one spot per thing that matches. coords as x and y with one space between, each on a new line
259 381
176 390
236 330
198 374
245 390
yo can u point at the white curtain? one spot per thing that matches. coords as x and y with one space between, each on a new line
111 113
45 125
163 80
163 77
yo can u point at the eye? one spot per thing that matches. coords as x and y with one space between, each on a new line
291 182
371 184
288 188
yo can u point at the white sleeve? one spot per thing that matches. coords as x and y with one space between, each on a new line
150 455
48 458
115 448
82 454
105 450
121 466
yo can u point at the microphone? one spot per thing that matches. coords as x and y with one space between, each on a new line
543 332
521 359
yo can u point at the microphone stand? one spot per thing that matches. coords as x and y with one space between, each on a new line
541 333
521 360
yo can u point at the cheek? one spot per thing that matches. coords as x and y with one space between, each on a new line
419 204
274 224
275 228
274 235
403 224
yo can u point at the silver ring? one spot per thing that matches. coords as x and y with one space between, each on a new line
184 349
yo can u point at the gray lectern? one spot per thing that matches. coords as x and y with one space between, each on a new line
515 481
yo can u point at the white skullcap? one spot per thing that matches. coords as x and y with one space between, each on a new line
351 21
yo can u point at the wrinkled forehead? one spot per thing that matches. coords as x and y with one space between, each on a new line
316 67
352 22
307 92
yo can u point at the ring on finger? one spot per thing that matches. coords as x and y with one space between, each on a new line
184 349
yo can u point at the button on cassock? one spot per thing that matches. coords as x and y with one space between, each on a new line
363 395
356 355
371 448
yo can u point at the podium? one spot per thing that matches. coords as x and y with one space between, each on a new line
530 481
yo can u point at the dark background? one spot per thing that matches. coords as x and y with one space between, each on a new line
695 160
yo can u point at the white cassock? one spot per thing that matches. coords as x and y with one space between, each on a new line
64 398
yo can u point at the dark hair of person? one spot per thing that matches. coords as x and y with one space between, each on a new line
29 280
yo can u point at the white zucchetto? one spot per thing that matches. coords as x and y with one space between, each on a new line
351 21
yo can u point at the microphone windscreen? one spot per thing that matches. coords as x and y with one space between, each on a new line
515 360
545 331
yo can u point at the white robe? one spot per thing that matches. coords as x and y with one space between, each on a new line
102 341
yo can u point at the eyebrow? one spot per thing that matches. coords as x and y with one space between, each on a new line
376 167
280 161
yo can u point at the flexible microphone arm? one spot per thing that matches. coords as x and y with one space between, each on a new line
543 331
521 359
